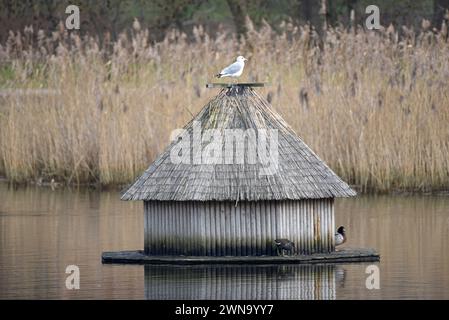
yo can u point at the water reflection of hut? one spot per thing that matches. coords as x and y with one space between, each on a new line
232 282
204 205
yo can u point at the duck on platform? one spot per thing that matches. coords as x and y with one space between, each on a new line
340 236
284 245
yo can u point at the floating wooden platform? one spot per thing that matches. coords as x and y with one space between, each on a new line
343 255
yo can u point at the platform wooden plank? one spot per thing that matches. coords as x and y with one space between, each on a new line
343 255
230 85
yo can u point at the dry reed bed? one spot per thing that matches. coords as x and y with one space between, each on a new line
373 105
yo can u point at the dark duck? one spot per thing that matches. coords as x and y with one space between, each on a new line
340 236
284 245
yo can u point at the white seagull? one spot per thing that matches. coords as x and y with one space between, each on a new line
234 70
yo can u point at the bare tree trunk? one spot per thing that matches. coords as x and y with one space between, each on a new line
350 12
51 19
324 14
238 15
439 11
307 11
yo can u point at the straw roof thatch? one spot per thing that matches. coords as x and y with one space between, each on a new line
300 173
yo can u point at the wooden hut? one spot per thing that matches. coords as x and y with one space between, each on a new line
208 205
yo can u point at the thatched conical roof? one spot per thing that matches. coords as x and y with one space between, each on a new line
299 173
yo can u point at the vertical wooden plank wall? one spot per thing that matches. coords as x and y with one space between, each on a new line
248 228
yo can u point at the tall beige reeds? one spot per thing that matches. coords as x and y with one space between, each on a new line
373 105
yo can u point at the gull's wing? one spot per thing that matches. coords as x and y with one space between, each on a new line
231 69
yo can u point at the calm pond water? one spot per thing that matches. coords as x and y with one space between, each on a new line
42 231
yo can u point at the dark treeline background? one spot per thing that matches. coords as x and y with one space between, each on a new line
114 16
